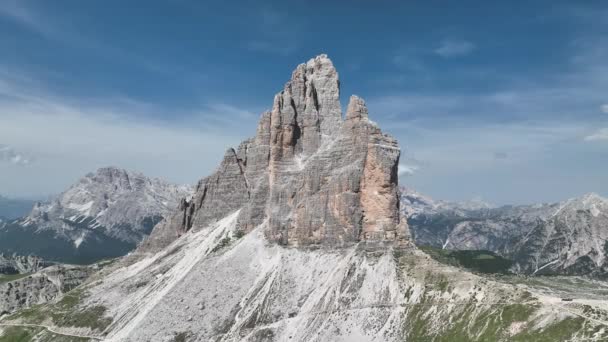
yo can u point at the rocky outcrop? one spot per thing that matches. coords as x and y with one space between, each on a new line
41 287
19 264
315 177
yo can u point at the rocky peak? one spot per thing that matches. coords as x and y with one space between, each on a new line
120 180
357 110
592 200
308 110
308 175
124 203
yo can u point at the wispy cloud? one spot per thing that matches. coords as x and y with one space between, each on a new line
407 170
417 60
455 48
54 29
70 137
9 155
604 108
513 141
602 134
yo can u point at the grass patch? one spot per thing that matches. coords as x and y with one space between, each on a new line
560 331
227 240
38 334
18 334
477 323
474 322
92 318
66 313
5 278
180 337
223 243
478 261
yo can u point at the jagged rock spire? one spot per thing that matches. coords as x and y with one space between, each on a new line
307 111
308 175
356 110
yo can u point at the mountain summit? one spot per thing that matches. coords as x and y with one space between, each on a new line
104 214
315 177
124 204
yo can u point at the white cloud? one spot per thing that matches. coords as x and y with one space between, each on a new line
602 134
455 48
72 137
604 108
407 170
9 155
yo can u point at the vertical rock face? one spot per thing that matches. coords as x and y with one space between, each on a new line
315 177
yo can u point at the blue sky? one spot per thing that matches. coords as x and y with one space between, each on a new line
502 102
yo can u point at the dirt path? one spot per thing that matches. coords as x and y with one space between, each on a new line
50 329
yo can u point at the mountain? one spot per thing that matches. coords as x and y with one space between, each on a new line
105 214
14 208
568 237
298 236
312 176
415 203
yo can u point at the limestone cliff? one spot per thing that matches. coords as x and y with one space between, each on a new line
318 178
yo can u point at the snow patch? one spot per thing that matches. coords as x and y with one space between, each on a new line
547 264
85 209
79 240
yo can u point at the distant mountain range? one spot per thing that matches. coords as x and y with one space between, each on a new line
568 237
14 208
109 212
104 214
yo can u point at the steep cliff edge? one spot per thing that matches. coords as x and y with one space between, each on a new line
317 178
